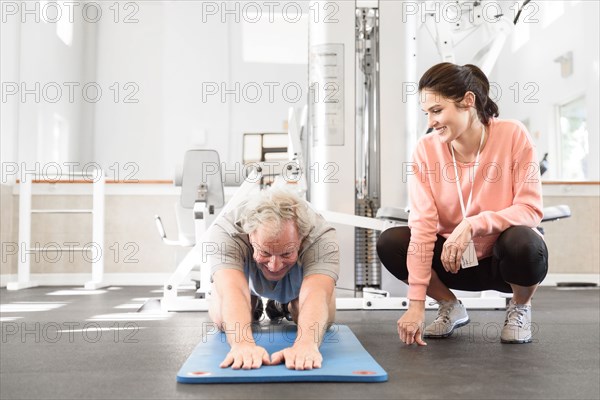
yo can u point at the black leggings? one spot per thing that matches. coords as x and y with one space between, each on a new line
520 256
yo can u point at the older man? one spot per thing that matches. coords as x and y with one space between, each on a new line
275 246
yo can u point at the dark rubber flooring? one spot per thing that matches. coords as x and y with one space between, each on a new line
58 343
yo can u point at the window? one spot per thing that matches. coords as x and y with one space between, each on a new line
574 141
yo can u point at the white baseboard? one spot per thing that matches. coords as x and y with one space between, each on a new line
553 279
158 279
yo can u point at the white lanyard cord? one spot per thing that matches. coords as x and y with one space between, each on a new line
460 196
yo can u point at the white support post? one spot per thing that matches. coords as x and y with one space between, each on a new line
201 214
97 233
356 221
401 303
24 269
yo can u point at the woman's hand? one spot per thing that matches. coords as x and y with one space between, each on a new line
410 325
455 246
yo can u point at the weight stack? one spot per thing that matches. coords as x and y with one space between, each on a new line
367 266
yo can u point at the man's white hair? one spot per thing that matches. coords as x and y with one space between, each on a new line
273 207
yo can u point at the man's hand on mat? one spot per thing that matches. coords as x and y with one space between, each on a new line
410 325
246 356
299 357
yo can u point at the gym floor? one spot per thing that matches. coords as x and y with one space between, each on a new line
66 343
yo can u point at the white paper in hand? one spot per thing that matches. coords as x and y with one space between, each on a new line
469 257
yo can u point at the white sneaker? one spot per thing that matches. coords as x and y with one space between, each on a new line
451 315
517 326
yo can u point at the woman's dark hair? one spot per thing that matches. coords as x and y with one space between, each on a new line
454 81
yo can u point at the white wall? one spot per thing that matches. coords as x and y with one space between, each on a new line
10 32
130 129
173 48
194 53
175 54
43 122
533 64
54 126
152 62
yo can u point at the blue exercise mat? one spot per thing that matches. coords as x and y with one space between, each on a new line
344 359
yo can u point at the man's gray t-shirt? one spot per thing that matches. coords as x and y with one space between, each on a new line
226 246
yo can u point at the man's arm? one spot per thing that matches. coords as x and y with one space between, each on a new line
317 308
231 311
316 312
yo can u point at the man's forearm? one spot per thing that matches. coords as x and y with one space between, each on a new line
235 311
313 319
